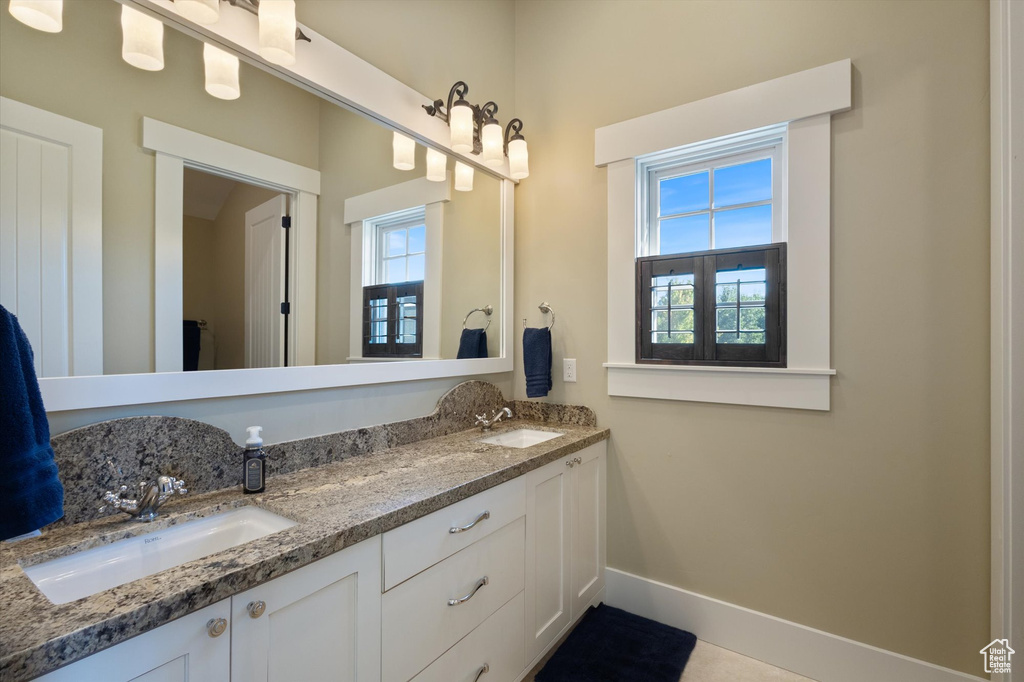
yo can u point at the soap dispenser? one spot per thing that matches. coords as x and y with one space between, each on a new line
254 469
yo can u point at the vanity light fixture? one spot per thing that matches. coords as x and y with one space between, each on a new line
518 154
475 129
463 177
437 165
142 40
42 15
199 11
221 72
404 149
277 31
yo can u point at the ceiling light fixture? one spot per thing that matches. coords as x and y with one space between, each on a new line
142 40
42 15
475 130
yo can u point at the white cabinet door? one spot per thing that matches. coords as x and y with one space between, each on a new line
319 623
181 651
588 526
548 604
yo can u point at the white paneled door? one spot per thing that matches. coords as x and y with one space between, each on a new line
50 236
265 274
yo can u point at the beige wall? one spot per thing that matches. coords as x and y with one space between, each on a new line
472 264
79 73
869 521
199 269
428 44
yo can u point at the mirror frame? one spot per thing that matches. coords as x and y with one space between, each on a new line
335 74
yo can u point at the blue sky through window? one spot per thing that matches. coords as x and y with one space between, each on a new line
743 183
689 198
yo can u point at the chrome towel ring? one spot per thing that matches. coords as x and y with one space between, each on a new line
544 308
486 310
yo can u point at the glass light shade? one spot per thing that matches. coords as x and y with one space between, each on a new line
463 177
493 144
460 119
199 11
42 15
143 40
277 31
221 72
437 166
404 151
518 159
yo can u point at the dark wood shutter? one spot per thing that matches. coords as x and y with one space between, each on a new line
393 309
737 305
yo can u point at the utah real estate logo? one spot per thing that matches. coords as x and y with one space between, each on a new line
997 656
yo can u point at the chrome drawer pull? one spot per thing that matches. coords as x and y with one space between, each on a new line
480 673
479 583
463 529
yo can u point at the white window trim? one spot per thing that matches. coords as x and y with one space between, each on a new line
805 101
360 211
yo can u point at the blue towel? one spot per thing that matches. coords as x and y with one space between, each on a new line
31 495
190 345
472 344
537 361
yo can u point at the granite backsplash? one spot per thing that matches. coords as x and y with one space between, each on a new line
207 459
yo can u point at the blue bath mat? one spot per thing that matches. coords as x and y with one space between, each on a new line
611 645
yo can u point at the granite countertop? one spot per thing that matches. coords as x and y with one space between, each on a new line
336 505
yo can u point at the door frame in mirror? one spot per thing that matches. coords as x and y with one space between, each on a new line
178 148
333 73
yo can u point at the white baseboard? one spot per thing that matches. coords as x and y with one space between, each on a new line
803 650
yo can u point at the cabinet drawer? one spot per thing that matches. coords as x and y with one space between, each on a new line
498 643
420 544
419 624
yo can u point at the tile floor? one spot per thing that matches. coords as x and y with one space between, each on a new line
709 663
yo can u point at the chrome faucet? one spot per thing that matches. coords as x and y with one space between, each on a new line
151 495
485 424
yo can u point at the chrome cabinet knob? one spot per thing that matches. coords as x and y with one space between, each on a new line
578 460
256 608
215 627
569 463
484 669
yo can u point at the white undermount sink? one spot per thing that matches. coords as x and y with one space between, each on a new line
101 568
521 438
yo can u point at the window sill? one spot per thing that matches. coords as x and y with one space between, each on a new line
797 388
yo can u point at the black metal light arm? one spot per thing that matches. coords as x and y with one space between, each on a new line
515 126
482 115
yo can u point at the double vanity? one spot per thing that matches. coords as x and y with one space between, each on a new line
461 556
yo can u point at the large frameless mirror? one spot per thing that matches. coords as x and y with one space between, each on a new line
276 229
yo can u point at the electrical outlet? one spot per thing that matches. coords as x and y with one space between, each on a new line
569 370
